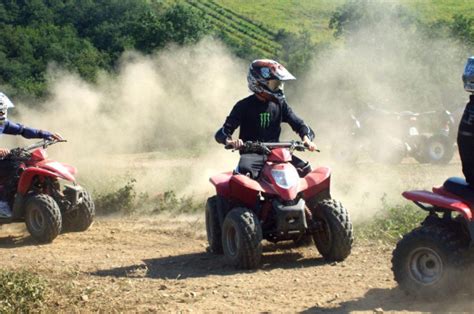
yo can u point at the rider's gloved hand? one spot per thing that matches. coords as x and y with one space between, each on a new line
308 143
236 144
56 136
4 152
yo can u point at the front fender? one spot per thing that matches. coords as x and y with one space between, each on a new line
27 177
315 182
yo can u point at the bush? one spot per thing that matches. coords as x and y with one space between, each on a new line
126 200
389 225
120 200
20 291
168 201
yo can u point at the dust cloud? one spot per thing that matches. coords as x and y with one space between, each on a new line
154 119
170 103
391 66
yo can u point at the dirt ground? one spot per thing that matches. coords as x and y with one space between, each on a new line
161 264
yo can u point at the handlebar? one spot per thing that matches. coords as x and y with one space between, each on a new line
266 148
23 153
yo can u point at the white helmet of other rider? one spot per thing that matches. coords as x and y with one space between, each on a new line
468 75
5 104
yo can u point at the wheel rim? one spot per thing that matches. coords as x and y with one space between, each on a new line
436 150
426 266
232 241
36 219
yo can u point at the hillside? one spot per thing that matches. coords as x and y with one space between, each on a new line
294 15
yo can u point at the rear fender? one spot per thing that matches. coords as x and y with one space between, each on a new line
315 182
440 201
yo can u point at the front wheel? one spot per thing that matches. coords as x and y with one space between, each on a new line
42 217
242 238
82 216
333 237
426 262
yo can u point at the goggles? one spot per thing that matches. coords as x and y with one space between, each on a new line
275 85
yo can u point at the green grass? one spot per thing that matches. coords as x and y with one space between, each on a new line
433 10
20 291
314 15
390 224
290 15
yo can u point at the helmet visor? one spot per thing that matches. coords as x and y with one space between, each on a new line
275 85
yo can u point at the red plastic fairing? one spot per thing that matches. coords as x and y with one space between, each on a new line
221 182
245 189
28 175
440 201
280 155
72 170
58 168
39 155
315 182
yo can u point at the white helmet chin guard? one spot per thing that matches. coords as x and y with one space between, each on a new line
5 102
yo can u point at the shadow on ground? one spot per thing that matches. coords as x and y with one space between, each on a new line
11 242
394 300
202 264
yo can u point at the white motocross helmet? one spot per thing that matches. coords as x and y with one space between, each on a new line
468 75
5 104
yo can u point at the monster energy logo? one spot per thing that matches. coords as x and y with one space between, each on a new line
265 119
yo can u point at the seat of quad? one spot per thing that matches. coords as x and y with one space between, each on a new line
459 186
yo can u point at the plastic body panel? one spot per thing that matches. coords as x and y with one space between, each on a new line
440 200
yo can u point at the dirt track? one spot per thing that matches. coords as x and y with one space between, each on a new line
160 264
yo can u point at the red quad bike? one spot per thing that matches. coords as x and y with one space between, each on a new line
429 261
277 206
38 198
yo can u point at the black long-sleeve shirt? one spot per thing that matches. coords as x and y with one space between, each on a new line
466 125
261 121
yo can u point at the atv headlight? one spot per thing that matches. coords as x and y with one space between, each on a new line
286 178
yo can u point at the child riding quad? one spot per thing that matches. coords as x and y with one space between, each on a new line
429 261
31 189
272 194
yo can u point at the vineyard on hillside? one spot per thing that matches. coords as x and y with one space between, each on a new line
238 30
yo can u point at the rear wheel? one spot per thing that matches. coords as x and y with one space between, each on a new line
82 217
427 261
213 228
242 238
42 217
439 149
333 237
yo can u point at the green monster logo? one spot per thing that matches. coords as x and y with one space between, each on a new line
265 119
